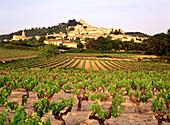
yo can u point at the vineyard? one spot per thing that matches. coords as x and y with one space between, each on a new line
88 63
84 91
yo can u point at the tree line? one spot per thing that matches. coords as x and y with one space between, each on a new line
158 44
107 45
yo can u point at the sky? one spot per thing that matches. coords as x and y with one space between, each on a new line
147 16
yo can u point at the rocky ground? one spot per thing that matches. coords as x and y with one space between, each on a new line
128 117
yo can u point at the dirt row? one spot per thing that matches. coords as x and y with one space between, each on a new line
81 63
104 65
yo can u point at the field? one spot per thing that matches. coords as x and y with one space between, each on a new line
88 63
83 90
8 54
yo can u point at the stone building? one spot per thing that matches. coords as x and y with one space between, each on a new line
61 42
20 37
53 41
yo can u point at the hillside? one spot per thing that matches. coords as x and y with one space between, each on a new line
61 27
137 34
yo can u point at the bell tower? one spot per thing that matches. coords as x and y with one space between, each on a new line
23 34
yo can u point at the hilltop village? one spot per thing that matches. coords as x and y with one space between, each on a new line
82 31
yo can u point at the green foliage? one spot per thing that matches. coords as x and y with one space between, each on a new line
71 29
159 102
12 53
21 118
91 87
5 92
80 45
97 96
58 107
92 44
104 43
67 88
20 115
48 50
47 89
137 34
107 45
138 39
100 112
41 106
158 44
117 109
41 39
37 31
74 50
168 32
4 118
103 86
25 100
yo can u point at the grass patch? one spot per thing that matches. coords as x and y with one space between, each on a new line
120 54
12 53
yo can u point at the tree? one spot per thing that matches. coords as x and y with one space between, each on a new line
77 38
128 45
158 44
72 22
92 44
168 32
115 44
80 45
104 43
71 29
41 40
48 51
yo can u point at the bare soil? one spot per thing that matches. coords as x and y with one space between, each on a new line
65 63
60 63
100 65
94 65
73 63
112 65
117 65
87 65
128 117
107 65
80 64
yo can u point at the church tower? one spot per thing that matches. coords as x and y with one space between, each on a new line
23 34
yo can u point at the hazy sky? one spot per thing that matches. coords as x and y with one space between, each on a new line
148 16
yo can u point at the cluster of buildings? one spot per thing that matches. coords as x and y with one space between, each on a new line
23 37
87 31
61 42
82 31
20 37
